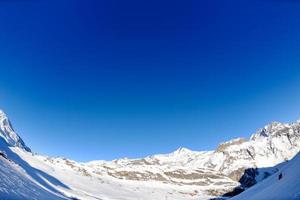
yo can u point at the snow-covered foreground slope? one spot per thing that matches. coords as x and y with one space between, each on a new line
183 174
18 180
286 188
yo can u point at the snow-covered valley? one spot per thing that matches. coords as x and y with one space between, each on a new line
184 174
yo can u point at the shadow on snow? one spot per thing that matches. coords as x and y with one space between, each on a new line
36 174
250 177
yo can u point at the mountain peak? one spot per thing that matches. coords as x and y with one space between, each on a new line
8 134
269 130
182 150
2 114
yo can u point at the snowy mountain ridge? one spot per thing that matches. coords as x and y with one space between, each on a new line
182 174
8 134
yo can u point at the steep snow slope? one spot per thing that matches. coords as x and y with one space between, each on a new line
286 188
18 180
182 174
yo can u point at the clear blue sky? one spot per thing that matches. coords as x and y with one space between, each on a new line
108 79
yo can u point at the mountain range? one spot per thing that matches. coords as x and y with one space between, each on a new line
265 166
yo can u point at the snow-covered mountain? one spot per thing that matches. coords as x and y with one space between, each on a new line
9 135
183 174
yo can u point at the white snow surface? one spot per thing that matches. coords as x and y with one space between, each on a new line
286 188
182 174
20 181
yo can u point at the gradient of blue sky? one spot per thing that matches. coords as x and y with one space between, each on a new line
108 79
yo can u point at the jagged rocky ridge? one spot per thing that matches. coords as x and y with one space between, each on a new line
236 163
